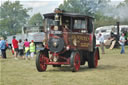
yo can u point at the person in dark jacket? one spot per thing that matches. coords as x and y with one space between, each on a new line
3 48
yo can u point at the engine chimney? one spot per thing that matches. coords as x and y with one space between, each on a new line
118 28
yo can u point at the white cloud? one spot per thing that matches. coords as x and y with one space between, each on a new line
117 0
42 6
39 6
34 4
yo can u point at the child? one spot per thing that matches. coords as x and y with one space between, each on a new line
20 45
32 49
26 44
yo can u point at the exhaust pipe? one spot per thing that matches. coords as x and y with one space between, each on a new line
118 28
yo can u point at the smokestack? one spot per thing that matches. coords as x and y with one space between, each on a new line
118 28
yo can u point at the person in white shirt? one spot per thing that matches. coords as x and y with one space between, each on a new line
101 40
122 43
21 52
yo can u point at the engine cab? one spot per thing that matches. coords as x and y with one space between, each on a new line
68 31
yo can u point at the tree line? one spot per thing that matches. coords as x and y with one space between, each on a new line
13 15
104 12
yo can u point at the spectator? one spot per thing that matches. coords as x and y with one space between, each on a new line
101 40
112 34
3 47
122 43
21 52
15 46
32 49
26 44
0 49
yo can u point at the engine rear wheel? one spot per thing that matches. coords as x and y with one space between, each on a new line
75 61
41 62
93 59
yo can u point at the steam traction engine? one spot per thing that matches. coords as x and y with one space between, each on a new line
69 40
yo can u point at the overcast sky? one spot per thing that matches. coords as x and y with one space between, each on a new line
43 6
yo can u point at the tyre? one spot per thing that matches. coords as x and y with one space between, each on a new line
75 61
82 58
93 59
41 62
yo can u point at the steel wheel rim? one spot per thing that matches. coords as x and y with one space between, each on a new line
77 61
42 62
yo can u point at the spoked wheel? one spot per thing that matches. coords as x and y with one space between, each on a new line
93 59
75 61
41 62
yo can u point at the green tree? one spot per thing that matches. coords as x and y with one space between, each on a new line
104 21
121 4
126 1
88 7
95 8
12 17
36 19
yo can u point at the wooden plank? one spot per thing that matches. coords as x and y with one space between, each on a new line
113 44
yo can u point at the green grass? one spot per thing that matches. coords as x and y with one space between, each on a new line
112 70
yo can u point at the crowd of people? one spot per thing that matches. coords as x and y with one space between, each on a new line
19 48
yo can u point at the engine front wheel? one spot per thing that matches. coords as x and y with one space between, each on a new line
41 62
75 61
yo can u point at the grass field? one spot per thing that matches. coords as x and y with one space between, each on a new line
112 70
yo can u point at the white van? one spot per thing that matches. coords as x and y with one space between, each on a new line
106 31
